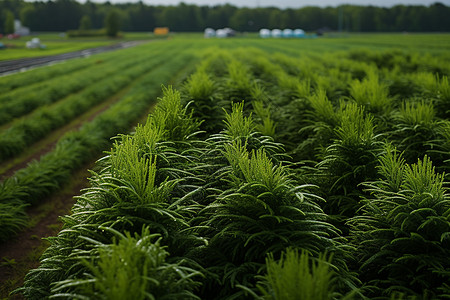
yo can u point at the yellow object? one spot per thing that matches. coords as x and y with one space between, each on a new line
161 30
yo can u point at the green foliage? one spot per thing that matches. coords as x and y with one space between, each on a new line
315 130
8 26
442 102
92 89
255 208
131 268
440 147
237 125
173 117
86 33
371 93
239 80
12 219
415 125
296 277
349 160
85 23
135 188
401 236
200 86
268 125
202 90
41 178
220 199
112 23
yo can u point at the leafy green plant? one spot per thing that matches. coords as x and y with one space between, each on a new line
348 161
254 207
371 93
414 126
439 150
297 276
442 97
131 268
12 219
267 127
24 100
137 186
401 235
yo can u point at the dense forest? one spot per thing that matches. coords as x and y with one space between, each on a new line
62 15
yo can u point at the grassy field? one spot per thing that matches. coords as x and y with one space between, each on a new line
56 43
264 145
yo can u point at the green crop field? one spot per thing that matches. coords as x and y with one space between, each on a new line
268 169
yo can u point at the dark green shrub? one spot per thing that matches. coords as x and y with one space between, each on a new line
401 236
130 268
255 207
350 160
297 276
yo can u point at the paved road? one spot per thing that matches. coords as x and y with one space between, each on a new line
16 65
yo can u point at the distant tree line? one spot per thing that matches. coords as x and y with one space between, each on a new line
62 15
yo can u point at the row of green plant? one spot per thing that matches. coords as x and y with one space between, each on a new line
42 178
26 99
229 210
213 206
336 124
21 79
26 131
356 190
307 94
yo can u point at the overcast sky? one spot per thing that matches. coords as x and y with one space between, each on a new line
284 3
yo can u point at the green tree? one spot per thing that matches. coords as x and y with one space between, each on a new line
9 22
112 23
85 23
27 15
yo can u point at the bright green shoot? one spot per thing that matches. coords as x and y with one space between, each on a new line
200 86
296 276
417 113
323 108
178 123
132 268
268 125
356 128
237 125
371 93
391 168
239 76
255 167
137 173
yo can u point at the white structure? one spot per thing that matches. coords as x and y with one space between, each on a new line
299 33
226 32
34 44
287 33
19 29
209 32
276 33
264 33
